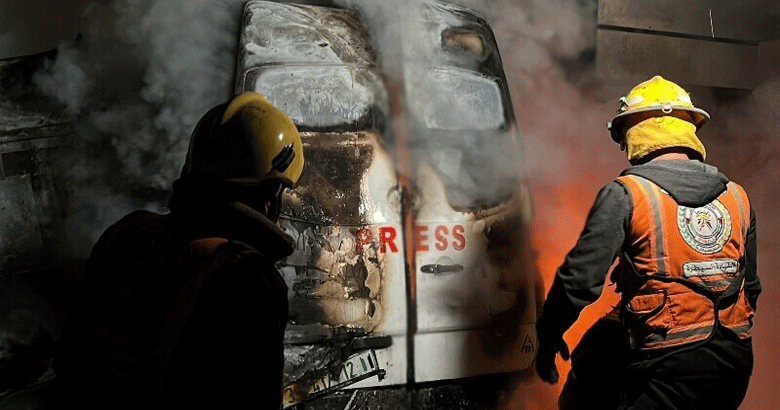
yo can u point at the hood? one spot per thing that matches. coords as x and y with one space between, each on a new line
691 183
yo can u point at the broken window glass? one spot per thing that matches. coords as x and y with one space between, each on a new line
323 96
462 131
453 99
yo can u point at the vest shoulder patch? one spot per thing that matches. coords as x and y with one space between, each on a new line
706 229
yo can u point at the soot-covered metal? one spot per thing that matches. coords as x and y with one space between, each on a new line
365 288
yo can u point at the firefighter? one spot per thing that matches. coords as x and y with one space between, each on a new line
685 240
187 309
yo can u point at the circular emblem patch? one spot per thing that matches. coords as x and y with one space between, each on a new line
705 229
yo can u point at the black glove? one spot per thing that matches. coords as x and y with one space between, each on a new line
557 315
545 358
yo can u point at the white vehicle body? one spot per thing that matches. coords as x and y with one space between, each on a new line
408 244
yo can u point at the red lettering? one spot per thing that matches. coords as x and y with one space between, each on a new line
421 237
387 236
362 237
441 240
459 241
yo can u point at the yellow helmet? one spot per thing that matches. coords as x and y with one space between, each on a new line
246 140
655 97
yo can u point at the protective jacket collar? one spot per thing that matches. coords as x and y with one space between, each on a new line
238 222
691 183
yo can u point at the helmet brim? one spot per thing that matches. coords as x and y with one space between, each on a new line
617 126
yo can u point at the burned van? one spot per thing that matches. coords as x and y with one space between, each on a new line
412 262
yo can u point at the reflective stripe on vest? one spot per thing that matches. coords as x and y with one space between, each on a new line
683 261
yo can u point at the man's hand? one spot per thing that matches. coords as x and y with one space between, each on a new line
545 358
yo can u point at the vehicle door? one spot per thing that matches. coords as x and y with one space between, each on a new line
346 278
474 300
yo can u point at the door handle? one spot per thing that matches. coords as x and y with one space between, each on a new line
437 268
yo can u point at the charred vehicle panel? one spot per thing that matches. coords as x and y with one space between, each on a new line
363 312
474 283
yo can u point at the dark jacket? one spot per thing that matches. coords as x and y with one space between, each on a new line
169 321
580 279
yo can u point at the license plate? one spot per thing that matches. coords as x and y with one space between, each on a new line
357 367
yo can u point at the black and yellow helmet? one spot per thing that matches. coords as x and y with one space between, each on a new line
246 140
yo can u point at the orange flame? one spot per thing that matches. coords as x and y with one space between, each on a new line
560 215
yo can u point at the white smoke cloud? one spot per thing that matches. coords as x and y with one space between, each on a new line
547 48
140 77
143 74
145 71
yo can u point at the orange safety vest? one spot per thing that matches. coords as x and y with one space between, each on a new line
682 265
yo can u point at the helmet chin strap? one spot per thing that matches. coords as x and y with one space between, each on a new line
271 204
274 207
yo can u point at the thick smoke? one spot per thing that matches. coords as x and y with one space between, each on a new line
547 48
137 80
144 71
